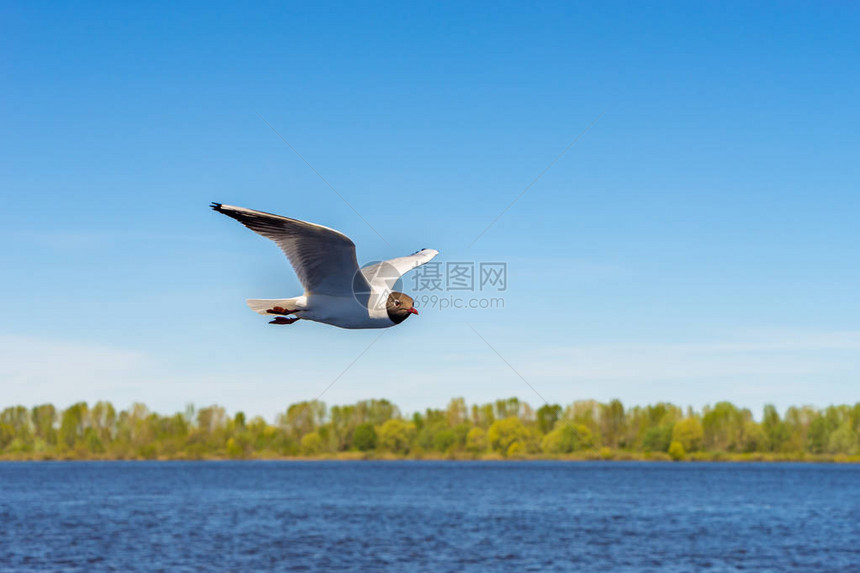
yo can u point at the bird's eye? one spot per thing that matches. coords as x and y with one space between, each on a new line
397 302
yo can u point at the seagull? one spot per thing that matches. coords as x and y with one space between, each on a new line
337 291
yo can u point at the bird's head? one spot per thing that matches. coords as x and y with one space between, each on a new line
399 307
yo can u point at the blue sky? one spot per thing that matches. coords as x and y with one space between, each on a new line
698 243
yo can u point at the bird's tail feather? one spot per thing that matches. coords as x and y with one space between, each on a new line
262 305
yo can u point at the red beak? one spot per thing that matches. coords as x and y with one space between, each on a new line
413 311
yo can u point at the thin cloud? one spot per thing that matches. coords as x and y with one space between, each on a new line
42 370
788 354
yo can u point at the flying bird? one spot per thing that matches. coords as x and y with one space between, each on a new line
337 291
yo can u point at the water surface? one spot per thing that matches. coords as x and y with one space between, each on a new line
428 516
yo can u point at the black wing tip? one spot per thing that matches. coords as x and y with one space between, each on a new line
216 206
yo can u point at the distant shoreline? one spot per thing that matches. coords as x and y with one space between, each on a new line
376 429
699 457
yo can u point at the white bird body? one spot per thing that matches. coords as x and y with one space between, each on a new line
344 312
337 292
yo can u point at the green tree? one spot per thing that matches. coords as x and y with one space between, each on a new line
658 438
649 428
504 433
457 412
585 413
676 451
92 442
689 433
16 432
73 424
375 412
723 426
342 425
212 430
843 440
476 440
234 449
396 436
303 418
103 421
364 438
509 408
818 435
753 438
7 434
312 444
547 416
798 422
854 417
567 438
612 423
44 421
483 416
444 440
775 430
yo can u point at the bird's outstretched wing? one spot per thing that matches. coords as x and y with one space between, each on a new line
383 275
323 258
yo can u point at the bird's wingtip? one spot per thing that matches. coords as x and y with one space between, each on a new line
216 206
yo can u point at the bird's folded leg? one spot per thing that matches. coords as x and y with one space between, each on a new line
281 310
283 320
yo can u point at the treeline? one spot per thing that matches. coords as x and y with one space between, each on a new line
376 428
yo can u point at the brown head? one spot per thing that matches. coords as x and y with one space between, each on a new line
399 307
